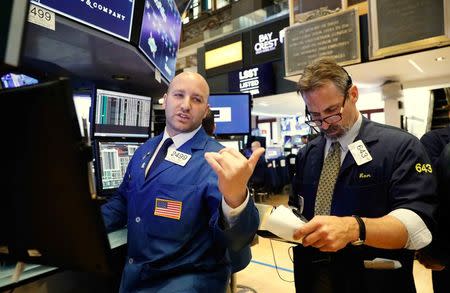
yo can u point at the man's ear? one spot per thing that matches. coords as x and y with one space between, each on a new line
206 112
164 101
353 92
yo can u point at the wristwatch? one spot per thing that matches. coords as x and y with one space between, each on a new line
362 231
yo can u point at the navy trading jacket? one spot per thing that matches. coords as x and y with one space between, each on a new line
399 176
176 235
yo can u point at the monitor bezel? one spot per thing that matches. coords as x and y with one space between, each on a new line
239 142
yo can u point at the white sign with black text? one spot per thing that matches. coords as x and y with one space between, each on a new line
249 81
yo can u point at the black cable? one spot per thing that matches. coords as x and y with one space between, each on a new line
291 253
276 266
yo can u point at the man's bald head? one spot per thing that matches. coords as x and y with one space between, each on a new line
187 76
255 145
186 103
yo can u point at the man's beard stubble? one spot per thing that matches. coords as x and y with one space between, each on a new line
335 131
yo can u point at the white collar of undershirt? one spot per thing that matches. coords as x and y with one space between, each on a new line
180 138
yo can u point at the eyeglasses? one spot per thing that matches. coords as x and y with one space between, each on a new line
329 119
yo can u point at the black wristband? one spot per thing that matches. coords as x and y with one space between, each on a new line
362 231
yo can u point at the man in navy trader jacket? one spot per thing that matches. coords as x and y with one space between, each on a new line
185 215
380 207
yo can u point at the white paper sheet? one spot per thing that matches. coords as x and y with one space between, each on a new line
283 223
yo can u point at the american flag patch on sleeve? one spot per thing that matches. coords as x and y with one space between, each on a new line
168 208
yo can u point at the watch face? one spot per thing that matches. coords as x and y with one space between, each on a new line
358 242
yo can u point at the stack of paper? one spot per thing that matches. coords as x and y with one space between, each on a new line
283 223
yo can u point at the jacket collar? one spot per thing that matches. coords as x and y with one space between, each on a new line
197 142
367 134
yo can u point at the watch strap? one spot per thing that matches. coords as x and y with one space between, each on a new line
362 231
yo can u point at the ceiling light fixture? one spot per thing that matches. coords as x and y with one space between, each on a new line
441 58
415 65
120 77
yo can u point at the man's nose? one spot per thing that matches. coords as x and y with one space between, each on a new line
186 103
325 125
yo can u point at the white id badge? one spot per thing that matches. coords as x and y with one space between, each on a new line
177 157
359 152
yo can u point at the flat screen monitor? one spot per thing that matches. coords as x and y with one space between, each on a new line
13 15
297 140
231 113
234 144
121 115
112 17
112 158
11 80
273 152
160 35
287 141
47 215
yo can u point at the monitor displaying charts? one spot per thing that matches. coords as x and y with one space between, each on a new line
113 158
120 114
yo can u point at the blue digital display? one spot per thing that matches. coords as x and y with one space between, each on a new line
113 17
11 80
231 113
160 35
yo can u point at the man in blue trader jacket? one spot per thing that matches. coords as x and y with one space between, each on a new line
186 212
368 193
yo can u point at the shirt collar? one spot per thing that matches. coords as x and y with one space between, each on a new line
349 136
180 138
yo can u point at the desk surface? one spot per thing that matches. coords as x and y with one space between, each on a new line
116 239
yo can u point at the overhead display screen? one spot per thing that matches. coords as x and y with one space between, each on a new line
10 80
160 35
258 80
231 113
113 17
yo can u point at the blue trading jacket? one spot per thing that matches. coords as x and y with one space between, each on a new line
399 176
190 253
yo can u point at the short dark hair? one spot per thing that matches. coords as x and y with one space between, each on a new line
320 72
208 123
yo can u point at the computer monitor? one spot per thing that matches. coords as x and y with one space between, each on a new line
13 15
231 113
287 141
111 162
11 80
273 152
230 143
47 215
120 114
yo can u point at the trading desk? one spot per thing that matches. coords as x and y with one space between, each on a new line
33 271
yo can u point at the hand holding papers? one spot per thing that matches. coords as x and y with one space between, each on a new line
282 222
